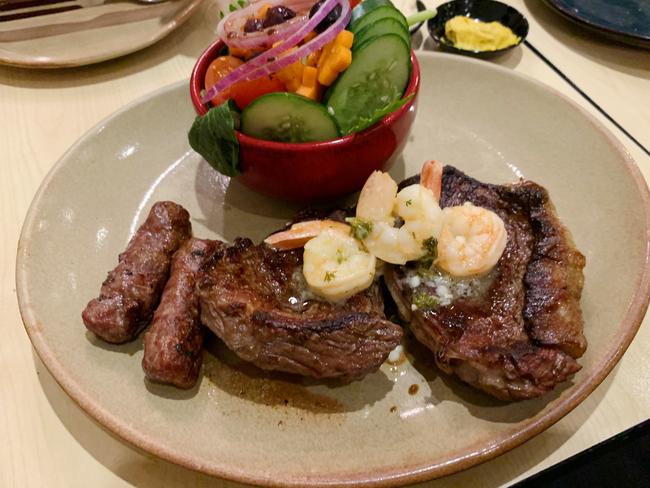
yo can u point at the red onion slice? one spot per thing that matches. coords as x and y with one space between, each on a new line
231 28
245 71
311 46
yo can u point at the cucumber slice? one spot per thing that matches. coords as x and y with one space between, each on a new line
384 11
366 6
287 117
387 25
377 77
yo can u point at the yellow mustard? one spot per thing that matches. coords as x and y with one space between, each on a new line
475 35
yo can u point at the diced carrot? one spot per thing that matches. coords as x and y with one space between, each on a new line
344 38
312 92
309 75
312 59
335 58
338 60
291 76
310 87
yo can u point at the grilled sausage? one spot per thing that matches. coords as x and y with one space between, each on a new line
132 290
174 342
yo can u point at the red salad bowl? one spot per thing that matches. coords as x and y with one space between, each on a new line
316 170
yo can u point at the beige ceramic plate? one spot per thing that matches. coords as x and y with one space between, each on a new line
488 121
79 32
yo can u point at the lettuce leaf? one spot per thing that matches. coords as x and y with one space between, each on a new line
213 136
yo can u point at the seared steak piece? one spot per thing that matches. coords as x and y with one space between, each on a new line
132 290
173 344
255 299
517 332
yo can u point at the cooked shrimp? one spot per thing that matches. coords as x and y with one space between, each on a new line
431 177
301 232
379 204
336 267
377 198
471 241
419 209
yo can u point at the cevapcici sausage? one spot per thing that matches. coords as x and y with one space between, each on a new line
132 290
173 345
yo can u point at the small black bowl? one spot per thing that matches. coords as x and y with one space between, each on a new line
484 10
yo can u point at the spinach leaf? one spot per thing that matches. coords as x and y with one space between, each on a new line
213 137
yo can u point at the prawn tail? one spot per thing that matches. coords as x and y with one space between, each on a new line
431 177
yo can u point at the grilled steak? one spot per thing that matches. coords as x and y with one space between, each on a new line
173 344
132 290
255 299
515 333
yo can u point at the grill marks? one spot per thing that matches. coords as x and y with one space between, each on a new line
245 300
521 337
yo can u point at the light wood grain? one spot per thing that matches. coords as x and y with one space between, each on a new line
49 441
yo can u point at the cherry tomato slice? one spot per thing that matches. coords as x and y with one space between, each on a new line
218 69
244 92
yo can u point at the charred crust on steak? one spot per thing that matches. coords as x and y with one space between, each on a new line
520 335
254 298
315 326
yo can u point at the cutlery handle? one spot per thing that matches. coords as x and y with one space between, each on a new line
6 5
22 9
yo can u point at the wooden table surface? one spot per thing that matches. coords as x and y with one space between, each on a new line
48 441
